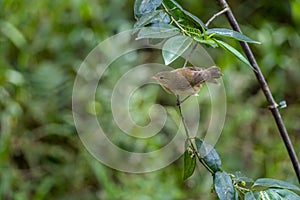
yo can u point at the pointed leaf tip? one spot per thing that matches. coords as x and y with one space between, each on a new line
227 33
234 52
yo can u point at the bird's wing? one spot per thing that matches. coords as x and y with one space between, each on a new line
206 75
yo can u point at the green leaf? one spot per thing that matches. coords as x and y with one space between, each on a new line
287 194
264 195
209 42
13 34
173 4
195 19
163 18
270 194
227 33
252 195
175 47
274 183
184 17
142 7
236 194
223 186
147 19
209 155
156 41
189 164
158 31
233 51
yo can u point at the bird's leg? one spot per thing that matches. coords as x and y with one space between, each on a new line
185 98
178 102
181 101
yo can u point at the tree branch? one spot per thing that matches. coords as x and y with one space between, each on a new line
266 90
215 16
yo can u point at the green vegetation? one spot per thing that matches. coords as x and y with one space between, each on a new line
43 43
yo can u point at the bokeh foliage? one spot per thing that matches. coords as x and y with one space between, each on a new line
42 44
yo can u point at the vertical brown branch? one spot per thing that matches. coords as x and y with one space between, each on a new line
266 90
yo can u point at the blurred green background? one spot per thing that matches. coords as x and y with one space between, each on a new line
43 43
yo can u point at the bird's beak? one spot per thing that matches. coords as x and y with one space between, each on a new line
154 78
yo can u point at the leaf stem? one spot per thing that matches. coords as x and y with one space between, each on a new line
266 90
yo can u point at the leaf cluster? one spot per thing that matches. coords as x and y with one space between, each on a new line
234 186
166 19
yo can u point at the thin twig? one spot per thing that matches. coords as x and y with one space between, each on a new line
266 90
215 16
182 118
190 54
188 136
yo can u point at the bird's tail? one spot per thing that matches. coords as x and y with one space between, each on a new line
214 73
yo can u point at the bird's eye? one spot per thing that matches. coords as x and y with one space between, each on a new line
161 77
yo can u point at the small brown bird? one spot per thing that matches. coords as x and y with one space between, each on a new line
187 80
